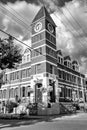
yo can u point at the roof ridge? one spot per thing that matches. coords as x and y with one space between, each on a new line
43 13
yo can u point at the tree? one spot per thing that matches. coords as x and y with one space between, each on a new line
10 105
10 54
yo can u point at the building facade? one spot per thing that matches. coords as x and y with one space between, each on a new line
70 80
44 74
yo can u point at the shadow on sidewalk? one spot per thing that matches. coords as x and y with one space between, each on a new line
7 123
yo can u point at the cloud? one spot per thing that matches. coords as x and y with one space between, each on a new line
38 2
72 30
16 18
70 17
76 22
11 24
13 1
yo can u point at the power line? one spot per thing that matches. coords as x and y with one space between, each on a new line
29 31
18 19
65 25
69 30
17 13
23 21
14 38
74 18
12 19
75 21
30 48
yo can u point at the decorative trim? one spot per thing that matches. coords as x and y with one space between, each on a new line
43 62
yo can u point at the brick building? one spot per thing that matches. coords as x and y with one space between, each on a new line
70 80
44 72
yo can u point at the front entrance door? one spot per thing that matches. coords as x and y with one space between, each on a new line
52 94
38 93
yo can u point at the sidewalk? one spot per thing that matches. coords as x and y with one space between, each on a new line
36 117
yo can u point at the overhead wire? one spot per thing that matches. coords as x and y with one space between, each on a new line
14 38
18 19
18 14
28 31
15 11
12 20
68 29
81 43
63 23
15 20
30 48
55 15
74 18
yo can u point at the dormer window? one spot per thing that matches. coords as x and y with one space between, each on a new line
23 59
75 65
60 57
27 56
60 60
77 68
69 64
67 61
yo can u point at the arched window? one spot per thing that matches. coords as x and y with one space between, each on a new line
28 91
23 91
0 94
4 93
15 92
11 95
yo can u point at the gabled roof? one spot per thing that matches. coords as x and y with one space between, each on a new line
43 13
59 52
27 50
67 58
75 62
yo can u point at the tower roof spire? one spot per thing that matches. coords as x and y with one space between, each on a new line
43 13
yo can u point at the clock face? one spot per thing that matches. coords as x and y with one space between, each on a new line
50 28
38 27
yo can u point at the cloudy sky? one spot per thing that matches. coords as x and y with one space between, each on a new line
70 17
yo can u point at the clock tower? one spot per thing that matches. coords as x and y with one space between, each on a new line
43 61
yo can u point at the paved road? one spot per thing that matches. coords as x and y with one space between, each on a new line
74 122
